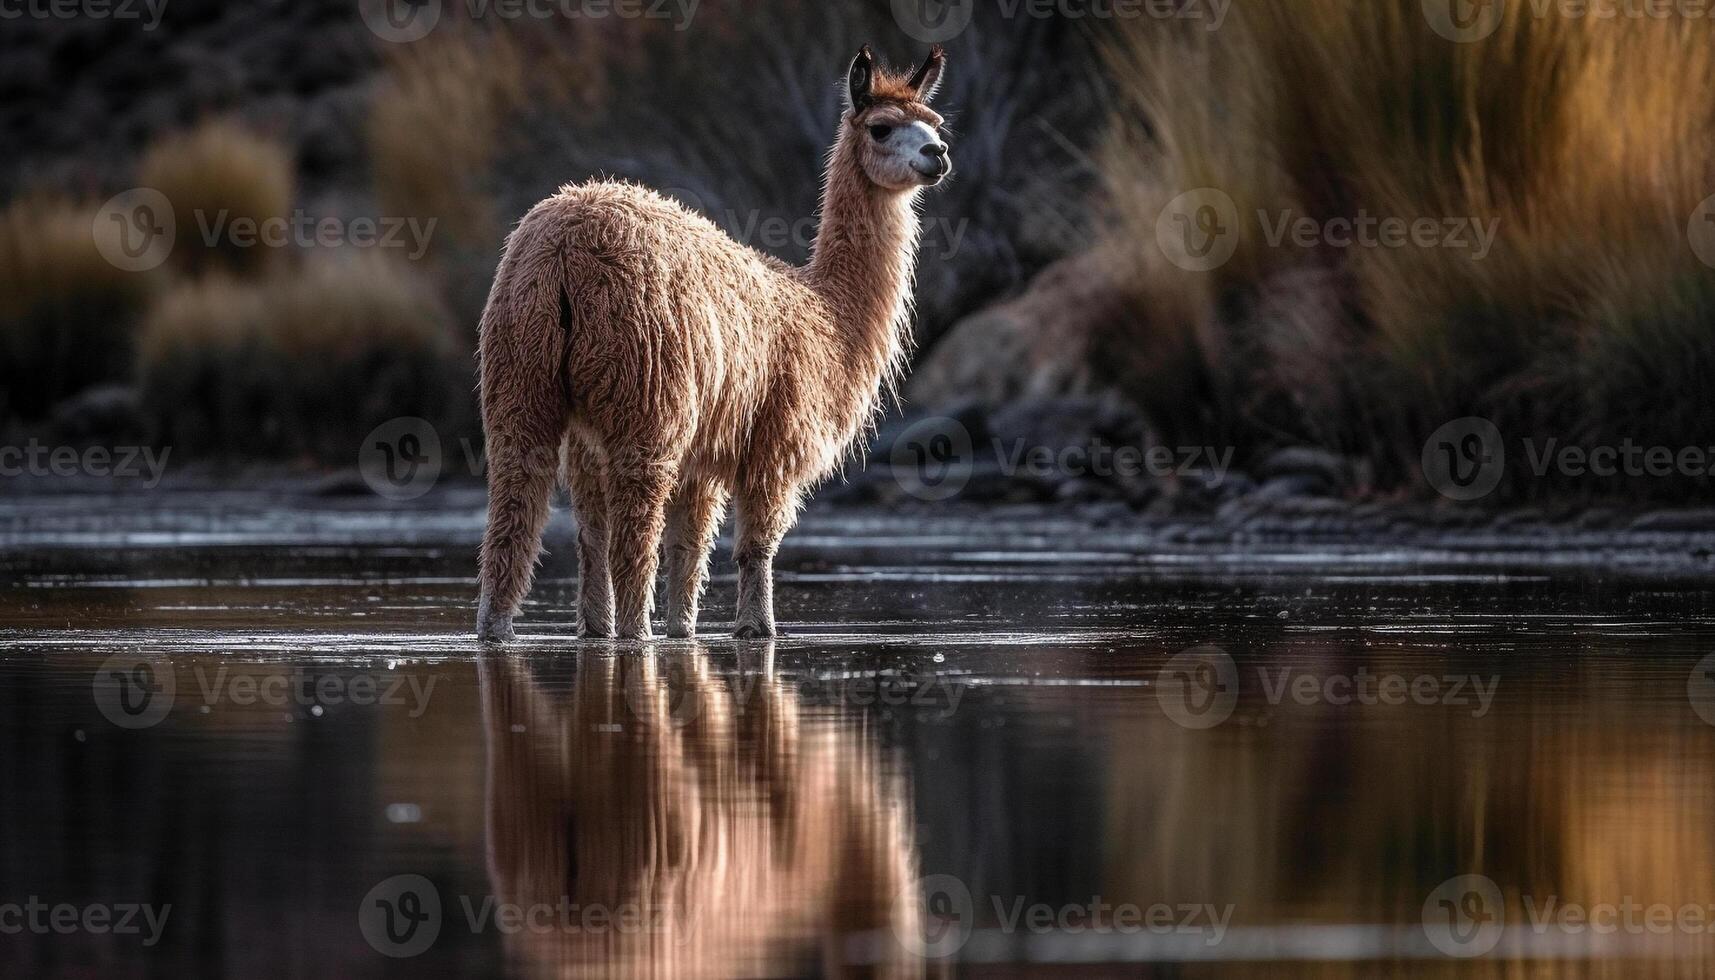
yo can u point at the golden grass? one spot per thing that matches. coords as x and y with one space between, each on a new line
435 127
1588 140
66 313
214 175
303 362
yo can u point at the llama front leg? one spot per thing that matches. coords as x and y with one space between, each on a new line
585 478
692 520
763 520
637 493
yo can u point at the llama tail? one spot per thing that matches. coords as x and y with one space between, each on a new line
524 418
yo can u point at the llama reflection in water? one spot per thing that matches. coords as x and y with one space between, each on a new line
653 819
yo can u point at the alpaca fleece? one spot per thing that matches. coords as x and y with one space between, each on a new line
659 368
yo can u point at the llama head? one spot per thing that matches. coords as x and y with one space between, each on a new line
888 118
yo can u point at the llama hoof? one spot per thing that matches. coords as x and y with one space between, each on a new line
492 628
751 631
495 631
587 633
681 632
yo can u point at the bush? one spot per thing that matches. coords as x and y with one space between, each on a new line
215 176
302 364
66 313
1588 140
435 125
474 126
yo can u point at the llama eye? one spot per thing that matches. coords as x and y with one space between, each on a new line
880 132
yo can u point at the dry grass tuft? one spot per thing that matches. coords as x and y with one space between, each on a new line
66 313
298 364
1587 141
435 126
220 173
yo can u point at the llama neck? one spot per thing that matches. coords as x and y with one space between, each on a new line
863 263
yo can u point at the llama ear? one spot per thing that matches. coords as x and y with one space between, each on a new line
860 80
928 77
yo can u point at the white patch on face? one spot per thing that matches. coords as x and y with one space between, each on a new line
911 139
906 162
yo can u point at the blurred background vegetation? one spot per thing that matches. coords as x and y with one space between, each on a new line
1044 295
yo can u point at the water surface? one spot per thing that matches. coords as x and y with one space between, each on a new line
993 743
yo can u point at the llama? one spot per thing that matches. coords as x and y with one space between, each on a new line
661 368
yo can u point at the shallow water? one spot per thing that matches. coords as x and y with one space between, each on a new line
992 743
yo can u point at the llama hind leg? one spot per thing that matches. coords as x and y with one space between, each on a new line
764 517
521 470
692 519
587 482
638 488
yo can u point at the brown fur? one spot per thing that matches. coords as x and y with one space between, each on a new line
744 832
671 368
